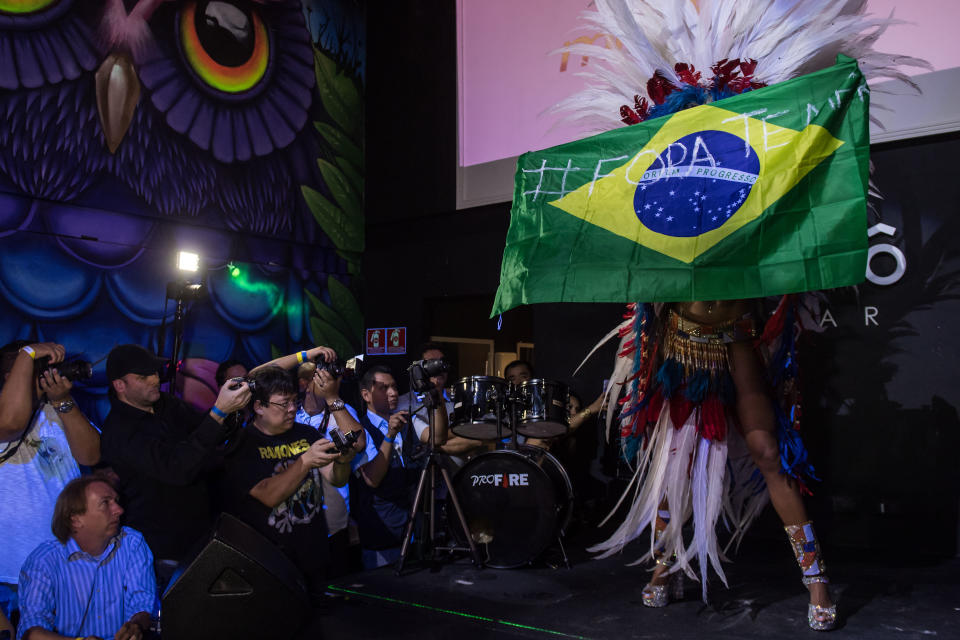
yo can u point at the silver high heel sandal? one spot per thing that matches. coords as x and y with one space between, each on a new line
660 595
807 550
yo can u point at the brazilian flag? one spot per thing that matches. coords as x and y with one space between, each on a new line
760 194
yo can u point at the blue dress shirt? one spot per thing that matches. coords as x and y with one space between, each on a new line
66 590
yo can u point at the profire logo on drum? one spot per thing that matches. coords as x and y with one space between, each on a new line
502 480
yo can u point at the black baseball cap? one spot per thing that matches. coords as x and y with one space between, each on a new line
132 358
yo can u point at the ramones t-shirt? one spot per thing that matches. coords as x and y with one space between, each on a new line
297 524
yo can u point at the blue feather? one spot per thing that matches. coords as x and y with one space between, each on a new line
698 385
670 377
794 458
630 447
685 97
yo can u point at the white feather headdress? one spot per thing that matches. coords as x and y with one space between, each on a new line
788 38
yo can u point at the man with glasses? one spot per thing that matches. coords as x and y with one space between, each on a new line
272 480
382 488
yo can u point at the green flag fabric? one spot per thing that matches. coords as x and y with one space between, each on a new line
763 193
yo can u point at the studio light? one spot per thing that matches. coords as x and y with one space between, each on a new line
188 261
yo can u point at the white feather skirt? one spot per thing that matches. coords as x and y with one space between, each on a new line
699 480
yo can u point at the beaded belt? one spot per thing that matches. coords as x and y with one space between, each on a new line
702 346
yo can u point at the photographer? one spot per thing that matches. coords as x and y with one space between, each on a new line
44 437
288 362
454 446
162 450
321 389
272 480
382 489
322 409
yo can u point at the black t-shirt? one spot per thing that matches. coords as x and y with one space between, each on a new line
296 525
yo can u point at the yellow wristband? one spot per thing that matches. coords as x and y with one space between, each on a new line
29 351
301 356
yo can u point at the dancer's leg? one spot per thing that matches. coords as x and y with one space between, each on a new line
659 591
758 422
659 571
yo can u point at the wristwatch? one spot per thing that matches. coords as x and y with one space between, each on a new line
65 406
335 405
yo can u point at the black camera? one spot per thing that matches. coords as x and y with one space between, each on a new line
342 441
344 369
422 370
72 370
236 382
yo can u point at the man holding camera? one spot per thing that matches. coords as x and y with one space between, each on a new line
162 450
272 480
322 409
382 488
454 446
44 437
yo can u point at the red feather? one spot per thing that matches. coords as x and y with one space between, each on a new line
680 408
713 419
687 73
654 407
658 87
628 116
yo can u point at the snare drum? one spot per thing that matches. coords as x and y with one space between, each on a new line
477 401
515 504
543 408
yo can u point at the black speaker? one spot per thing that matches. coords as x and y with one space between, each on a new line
239 586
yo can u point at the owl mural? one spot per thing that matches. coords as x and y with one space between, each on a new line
133 129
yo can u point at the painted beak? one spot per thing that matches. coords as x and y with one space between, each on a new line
118 92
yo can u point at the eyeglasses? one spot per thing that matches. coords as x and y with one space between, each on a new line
284 405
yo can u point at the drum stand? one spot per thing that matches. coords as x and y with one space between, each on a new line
513 401
430 470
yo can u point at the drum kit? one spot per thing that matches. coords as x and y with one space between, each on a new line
518 500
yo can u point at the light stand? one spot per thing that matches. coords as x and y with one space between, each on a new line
430 471
514 402
180 291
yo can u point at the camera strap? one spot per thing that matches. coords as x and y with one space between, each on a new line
326 420
9 453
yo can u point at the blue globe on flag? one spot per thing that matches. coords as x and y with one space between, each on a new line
696 184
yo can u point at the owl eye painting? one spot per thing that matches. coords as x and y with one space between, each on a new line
133 129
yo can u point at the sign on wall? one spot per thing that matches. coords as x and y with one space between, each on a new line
388 340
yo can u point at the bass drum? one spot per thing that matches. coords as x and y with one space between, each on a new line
515 503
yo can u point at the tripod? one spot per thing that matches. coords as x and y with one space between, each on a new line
430 471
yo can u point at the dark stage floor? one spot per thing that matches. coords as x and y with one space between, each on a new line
879 598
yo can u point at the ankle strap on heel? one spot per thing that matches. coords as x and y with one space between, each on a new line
806 548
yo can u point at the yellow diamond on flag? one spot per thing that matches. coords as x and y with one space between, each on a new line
705 174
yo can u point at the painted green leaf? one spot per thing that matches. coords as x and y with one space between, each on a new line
337 93
326 334
328 315
343 193
345 304
353 176
346 231
340 143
